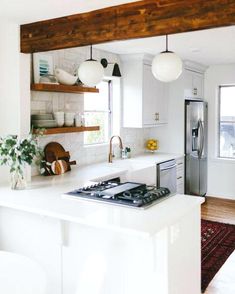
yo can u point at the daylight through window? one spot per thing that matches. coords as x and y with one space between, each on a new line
227 121
97 112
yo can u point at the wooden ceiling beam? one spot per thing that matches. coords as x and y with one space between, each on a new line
128 21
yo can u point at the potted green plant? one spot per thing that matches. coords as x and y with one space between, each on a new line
17 153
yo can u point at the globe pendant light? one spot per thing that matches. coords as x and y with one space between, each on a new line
91 72
167 66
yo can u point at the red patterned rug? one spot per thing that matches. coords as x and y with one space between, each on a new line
218 242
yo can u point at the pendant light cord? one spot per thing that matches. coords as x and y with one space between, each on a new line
166 43
91 53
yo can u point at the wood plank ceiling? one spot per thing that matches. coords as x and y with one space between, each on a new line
134 20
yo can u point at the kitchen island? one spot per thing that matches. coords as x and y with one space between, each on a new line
88 247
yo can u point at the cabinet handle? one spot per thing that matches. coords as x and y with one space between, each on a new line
157 116
179 178
194 91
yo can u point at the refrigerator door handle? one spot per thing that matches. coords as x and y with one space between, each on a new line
194 139
201 140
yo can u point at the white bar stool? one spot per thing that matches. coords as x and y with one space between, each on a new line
20 275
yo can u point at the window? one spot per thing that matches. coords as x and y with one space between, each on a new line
227 121
97 112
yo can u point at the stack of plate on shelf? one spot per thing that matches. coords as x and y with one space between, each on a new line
43 120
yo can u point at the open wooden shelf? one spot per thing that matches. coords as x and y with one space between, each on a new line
63 88
52 131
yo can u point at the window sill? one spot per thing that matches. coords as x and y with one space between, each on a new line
95 145
223 160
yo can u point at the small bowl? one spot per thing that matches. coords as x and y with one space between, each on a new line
64 77
69 123
44 123
44 116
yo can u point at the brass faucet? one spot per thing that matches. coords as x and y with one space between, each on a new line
110 147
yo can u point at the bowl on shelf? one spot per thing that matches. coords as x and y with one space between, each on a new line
39 123
59 117
48 79
69 123
43 116
69 119
64 77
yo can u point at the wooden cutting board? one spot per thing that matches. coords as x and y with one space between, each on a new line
55 150
59 167
58 157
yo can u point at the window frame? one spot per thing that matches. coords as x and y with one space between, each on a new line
219 124
109 112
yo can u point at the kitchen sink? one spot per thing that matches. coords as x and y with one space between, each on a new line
129 164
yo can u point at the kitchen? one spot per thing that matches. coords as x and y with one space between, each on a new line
136 135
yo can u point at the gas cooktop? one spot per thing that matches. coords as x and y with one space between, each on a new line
126 194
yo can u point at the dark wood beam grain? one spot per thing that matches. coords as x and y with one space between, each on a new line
134 20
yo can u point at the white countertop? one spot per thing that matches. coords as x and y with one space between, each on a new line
44 197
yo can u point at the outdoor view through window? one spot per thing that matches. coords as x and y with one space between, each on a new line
227 122
97 112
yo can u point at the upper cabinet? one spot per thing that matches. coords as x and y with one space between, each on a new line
144 98
193 81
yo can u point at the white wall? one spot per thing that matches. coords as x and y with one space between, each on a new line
9 79
14 85
221 172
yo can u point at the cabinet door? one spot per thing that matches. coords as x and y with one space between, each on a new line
180 175
197 83
36 237
154 99
193 84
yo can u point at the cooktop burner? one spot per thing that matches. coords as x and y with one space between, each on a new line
128 194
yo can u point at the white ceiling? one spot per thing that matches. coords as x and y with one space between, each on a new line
214 46
26 11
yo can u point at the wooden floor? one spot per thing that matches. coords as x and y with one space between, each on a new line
221 210
217 209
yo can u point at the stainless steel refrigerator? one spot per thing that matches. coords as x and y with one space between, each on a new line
196 147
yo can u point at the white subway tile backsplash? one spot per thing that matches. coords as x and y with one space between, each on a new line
55 104
38 106
78 98
49 106
71 55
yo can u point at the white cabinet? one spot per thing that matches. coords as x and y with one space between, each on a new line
150 263
180 175
36 237
154 99
194 84
144 97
